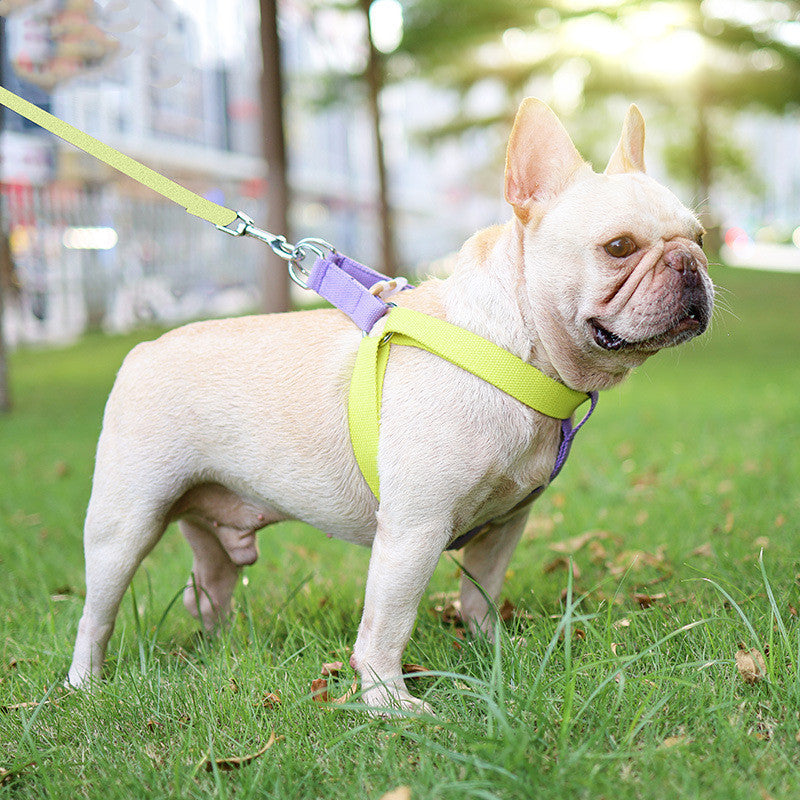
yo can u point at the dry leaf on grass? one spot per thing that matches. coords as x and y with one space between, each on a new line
331 668
562 562
270 700
672 741
235 762
647 600
576 542
704 551
34 703
319 689
351 692
750 664
400 793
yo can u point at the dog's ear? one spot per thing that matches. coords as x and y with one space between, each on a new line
541 157
629 155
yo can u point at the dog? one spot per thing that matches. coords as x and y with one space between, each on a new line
229 426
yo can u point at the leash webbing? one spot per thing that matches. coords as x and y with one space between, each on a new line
463 348
195 204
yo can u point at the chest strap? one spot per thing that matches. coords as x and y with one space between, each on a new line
467 350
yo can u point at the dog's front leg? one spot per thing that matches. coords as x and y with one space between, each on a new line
400 568
486 559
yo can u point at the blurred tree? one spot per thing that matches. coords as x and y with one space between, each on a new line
274 277
374 79
693 58
360 85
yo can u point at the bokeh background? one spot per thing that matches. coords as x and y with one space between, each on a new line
379 126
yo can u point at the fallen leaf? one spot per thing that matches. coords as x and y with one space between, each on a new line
400 793
562 562
647 600
704 550
672 741
319 690
271 700
621 623
351 692
507 610
750 664
761 541
409 670
29 704
729 520
597 552
576 542
332 668
235 762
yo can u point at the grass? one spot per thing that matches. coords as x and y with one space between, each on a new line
636 582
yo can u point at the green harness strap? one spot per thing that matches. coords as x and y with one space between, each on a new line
467 350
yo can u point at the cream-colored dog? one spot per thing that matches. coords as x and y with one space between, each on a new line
229 426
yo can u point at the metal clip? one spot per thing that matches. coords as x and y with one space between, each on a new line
293 254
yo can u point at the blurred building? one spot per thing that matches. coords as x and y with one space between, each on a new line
128 72
174 84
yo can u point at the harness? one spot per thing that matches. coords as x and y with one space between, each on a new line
353 288
346 284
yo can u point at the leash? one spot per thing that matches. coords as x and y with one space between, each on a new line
356 290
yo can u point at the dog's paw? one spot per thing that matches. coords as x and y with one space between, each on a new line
384 702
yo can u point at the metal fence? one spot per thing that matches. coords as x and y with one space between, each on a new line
100 259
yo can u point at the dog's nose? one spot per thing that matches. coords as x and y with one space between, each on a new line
680 260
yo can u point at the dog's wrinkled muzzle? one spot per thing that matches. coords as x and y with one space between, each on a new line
679 307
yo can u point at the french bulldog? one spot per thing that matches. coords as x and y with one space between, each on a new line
229 426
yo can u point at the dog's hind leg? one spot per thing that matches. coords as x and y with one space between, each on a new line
115 544
486 559
208 593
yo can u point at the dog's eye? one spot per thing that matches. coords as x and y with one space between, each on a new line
621 248
699 239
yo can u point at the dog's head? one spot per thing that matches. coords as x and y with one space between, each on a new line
613 264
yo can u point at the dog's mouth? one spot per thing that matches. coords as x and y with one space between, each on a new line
692 323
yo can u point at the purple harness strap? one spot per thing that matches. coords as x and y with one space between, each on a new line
345 284
568 432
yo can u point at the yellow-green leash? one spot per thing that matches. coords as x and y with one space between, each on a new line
193 203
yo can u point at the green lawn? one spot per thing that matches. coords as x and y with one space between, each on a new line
619 682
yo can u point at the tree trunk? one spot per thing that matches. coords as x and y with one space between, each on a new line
704 176
374 80
274 277
5 389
